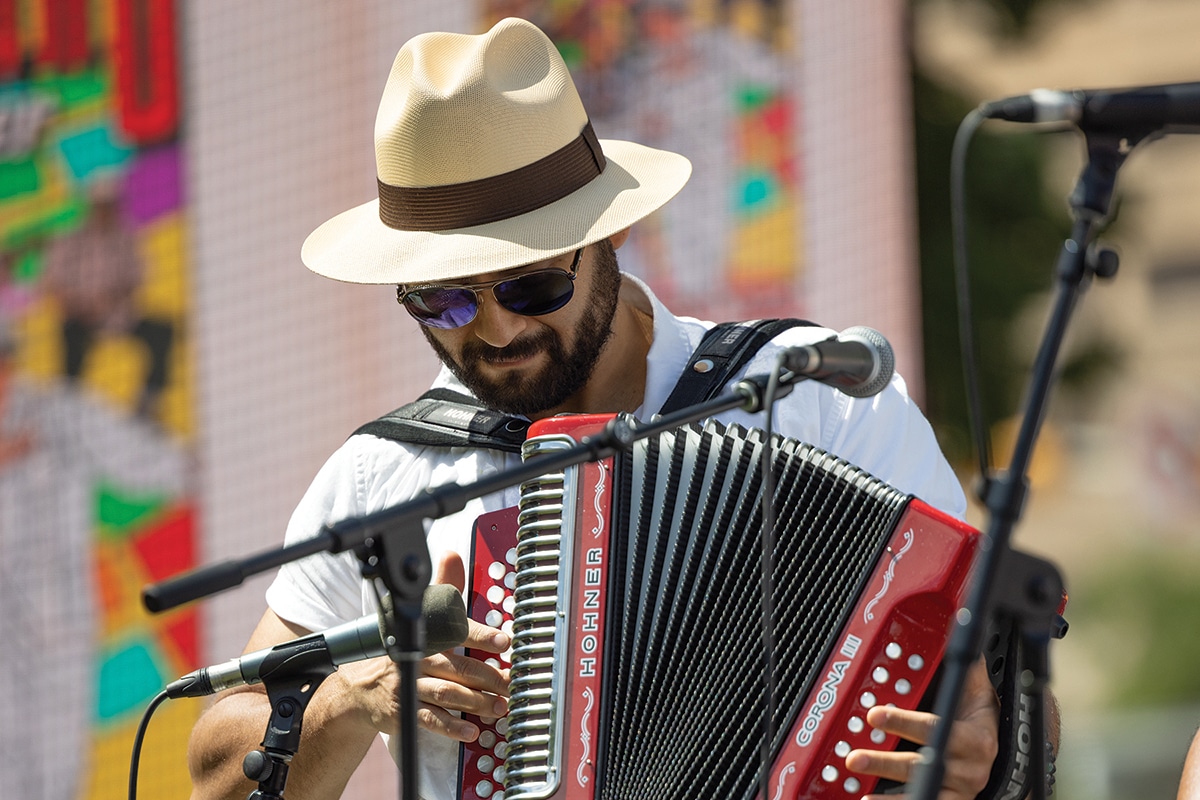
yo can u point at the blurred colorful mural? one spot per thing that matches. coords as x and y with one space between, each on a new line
96 428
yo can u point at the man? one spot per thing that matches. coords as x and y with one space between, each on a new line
498 217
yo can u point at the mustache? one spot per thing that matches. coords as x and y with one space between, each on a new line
519 348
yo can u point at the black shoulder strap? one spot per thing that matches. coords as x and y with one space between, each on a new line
723 351
445 418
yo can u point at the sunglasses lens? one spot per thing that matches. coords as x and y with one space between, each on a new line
441 307
536 293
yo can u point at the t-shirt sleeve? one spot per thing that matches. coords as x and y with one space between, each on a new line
888 436
324 590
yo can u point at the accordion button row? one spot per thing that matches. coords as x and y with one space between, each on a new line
881 676
495 603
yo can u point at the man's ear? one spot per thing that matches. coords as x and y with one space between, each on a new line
619 238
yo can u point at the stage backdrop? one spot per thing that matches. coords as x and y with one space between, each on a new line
96 401
171 377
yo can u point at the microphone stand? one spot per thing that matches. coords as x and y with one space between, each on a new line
1009 585
391 545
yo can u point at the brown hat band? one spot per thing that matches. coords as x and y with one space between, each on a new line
462 205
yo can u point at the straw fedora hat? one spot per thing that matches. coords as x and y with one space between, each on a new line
485 161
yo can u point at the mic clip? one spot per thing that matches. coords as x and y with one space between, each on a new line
291 676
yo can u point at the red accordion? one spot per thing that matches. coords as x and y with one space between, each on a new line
634 590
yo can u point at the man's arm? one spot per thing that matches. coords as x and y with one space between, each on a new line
347 711
337 730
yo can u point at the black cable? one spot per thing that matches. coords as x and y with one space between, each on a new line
767 561
966 336
137 742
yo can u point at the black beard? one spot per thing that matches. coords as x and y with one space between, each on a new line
566 372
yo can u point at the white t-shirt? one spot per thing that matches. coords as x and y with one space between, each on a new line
885 435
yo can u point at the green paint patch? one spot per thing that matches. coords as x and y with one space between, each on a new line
120 513
572 53
77 88
751 97
30 234
18 177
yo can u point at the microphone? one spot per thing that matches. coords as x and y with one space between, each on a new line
858 361
1148 108
445 625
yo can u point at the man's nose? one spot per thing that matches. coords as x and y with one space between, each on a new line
496 325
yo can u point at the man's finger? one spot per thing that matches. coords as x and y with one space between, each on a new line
883 764
443 723
452 571
451 696
482 637
468 672
913 726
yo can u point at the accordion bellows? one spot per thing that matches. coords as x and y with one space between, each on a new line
639 667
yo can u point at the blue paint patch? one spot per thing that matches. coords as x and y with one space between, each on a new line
93 150
129 678
757 192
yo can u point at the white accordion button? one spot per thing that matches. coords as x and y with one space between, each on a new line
501 750
509 604
511 555
915 662
851 785
830 773
502 726
867 700
495 595
484 788
510 580
841 749
496 570
903 686
855 725
878 736
487 739
880 674
499 774
486 763
893 650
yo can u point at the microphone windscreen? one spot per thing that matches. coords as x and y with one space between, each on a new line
444 615
445 618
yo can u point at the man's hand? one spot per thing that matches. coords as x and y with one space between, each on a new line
974 741
450 683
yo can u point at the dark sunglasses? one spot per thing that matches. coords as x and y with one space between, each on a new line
454 305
